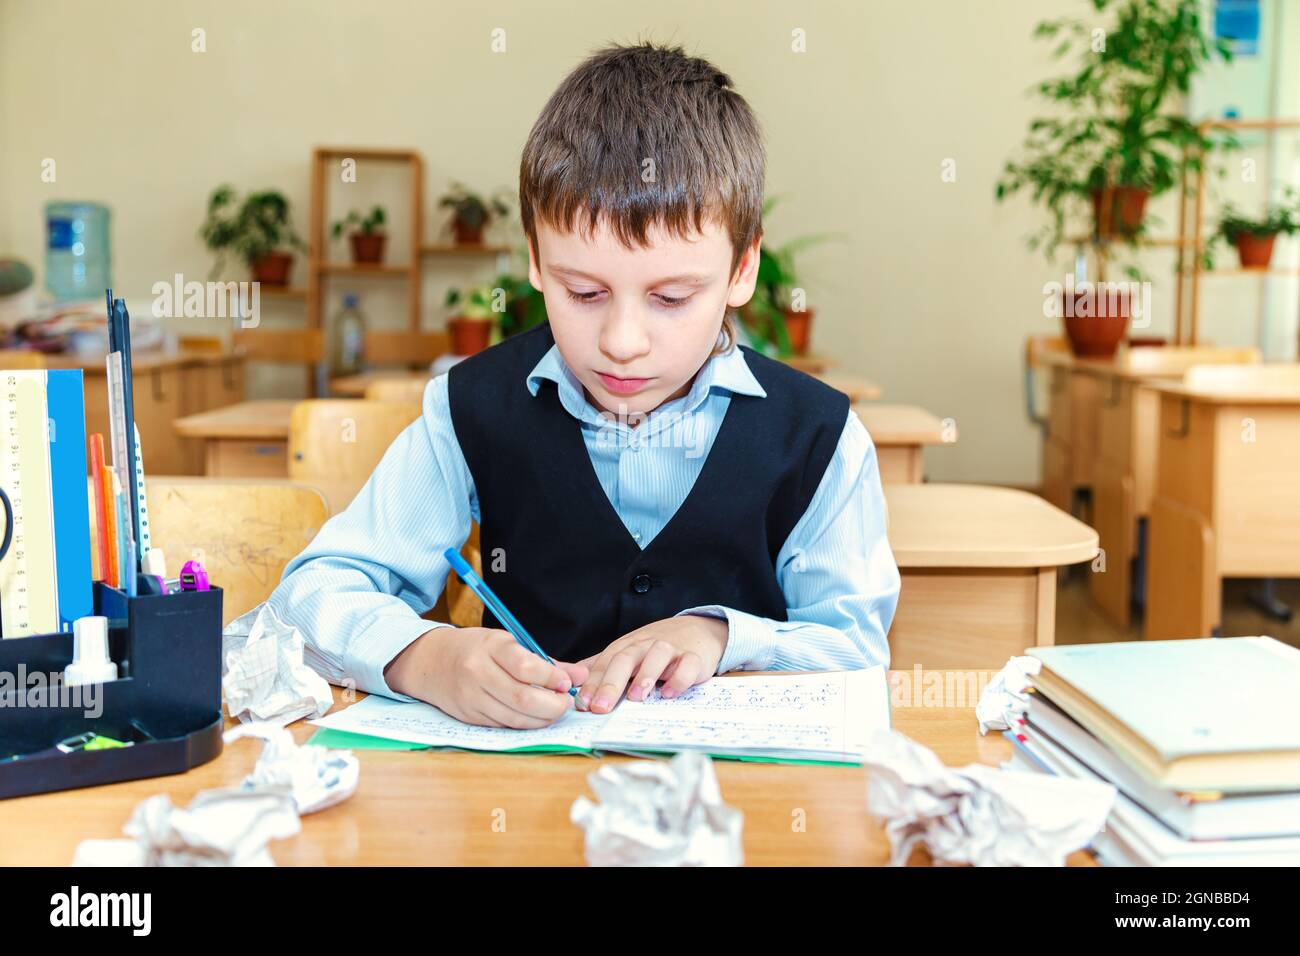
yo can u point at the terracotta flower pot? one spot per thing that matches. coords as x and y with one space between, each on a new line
798 326
1127 206
467 235
272 268
1255 252
1098 334
367 246
469 336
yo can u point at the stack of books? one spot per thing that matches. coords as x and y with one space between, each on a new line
1201 739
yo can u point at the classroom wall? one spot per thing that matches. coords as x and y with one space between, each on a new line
931 291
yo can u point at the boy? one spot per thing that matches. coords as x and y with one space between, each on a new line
655 504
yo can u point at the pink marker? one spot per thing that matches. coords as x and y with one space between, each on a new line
193 577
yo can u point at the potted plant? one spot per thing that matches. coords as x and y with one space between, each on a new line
1117 134
471 324
525 306
364 234
1254 238
471 213
258 231
777 314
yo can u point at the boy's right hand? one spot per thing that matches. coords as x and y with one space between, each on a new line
481 675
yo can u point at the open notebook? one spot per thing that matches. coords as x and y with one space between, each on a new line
797 717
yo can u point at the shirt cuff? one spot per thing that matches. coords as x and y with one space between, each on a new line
750 641
375 648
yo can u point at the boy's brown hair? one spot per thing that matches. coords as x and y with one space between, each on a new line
645 135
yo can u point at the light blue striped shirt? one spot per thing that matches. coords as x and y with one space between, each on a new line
357 591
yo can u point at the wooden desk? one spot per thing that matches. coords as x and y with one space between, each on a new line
900 433
422 809
857 388
246 440
1227 499
1124 466
979 572
168 385
354 386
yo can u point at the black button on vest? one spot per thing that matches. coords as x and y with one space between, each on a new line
557 553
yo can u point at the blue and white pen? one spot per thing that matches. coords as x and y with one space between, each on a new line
493 604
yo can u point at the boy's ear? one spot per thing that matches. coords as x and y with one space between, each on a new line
534 272
746 277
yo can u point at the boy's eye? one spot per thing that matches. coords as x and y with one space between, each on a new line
671 301
582 296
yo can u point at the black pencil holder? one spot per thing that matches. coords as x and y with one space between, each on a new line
166 703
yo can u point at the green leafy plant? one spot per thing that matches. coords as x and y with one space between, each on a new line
474 303
1281 218
764 315
355 222
525 306
250 230
472 209
1118 120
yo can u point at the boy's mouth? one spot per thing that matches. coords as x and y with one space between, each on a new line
623 386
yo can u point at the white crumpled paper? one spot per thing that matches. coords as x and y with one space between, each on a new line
977 814
1006 698
263 673
659 813
315 776
218 828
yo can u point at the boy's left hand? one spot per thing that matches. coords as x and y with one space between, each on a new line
681 651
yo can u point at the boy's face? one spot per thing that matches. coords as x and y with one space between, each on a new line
635 325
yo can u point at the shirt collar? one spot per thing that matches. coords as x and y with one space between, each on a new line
727 372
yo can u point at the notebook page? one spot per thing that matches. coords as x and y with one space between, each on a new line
809 714
421 723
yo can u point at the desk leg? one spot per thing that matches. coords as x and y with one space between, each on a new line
1114 518
899 464
1184 589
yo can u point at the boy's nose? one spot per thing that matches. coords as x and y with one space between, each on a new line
623 337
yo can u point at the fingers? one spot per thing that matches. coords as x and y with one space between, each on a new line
527 668
613 681
521 706
660 657
688 672
578 673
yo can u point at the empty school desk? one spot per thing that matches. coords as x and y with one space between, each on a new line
1227 500
900 434
246 440
1124 460
444 809
979 572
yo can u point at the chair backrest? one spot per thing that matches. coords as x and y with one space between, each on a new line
243 532
337 442
21 359
289 346
398 390
405 348
1281 379
1175 360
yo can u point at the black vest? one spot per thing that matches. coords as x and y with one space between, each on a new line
571 572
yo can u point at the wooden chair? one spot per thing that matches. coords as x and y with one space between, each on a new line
405 348
21 359
336 443
408 390
244 532
305 347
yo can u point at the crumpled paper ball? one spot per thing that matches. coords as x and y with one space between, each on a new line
977 814
264 676
316 777
659 813
218 828
1006 698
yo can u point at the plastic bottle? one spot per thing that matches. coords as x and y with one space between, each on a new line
349 338
78 257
